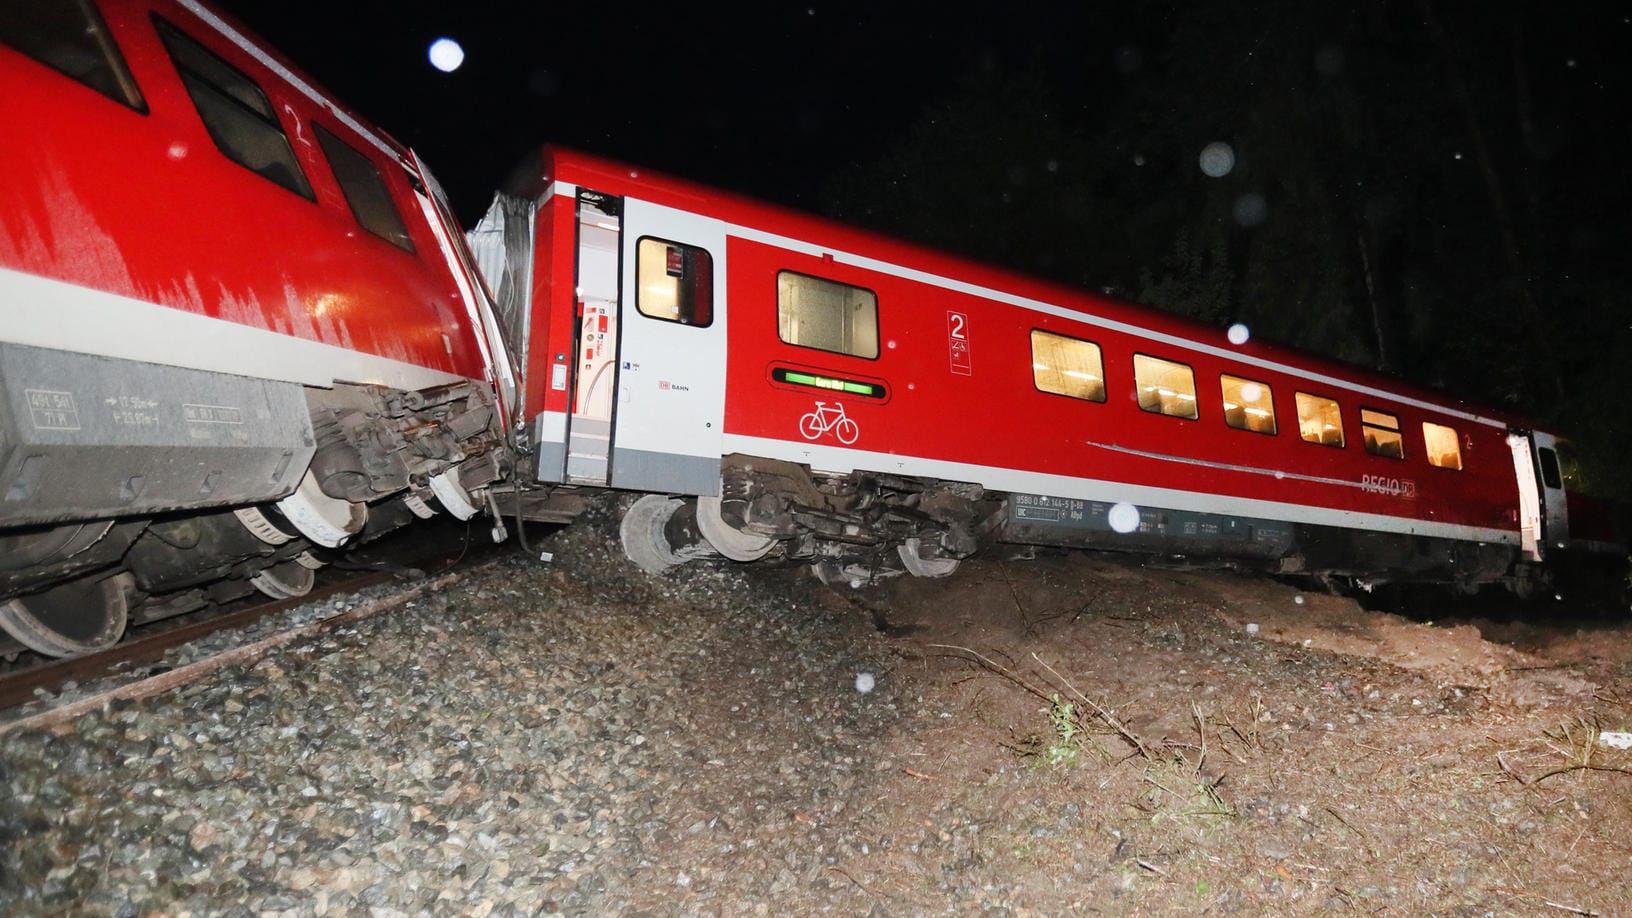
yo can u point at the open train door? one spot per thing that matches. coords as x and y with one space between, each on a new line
595 339
1555 526
670 408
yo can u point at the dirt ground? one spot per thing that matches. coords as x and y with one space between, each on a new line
1090 736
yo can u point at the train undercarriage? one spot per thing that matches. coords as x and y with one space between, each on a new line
120 509
858 528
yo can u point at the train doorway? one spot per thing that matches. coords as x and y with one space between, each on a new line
595 361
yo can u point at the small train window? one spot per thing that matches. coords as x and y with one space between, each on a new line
1248 405
826 315
675 282
235 111
365 190
1443 444
72 39
1165 387
1319 420
1067 366
1382 433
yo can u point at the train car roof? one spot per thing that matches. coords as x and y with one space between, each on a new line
554 163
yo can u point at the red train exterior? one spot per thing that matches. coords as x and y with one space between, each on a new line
242 331
217 284
944 395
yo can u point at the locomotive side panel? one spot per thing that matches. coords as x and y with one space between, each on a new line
108 198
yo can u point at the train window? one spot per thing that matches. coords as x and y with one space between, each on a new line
1248 405
675 282
1382 433
826 315
1319 420
1443 444
1165 387
365 189
1067 366
235 111
72 39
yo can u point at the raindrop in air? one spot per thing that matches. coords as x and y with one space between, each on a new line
1217 159
864 682
1124 517
446 55
1239 333
1250 209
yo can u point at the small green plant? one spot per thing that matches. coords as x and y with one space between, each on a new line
1062 751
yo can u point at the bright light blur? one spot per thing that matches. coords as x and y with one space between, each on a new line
446 55
1123 517
1239 334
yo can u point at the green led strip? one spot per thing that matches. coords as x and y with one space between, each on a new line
871 390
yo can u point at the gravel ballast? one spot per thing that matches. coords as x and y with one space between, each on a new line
569 737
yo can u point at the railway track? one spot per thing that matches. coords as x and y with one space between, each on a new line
150 645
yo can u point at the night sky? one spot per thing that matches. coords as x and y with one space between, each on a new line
777 101
771 103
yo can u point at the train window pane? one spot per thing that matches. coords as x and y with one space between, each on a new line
1319 420
1549 469
235 111
1067 366
676 282
72 39
1165 387
1443 445
1570 469
365 190
826 315
1382 433
1248 405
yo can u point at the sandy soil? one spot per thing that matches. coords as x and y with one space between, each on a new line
1094 737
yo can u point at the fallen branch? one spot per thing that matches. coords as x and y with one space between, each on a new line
1105 715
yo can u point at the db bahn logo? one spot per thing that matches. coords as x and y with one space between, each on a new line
1393 487
825 419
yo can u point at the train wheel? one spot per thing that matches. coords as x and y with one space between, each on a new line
286 581
727 539
642 533
76 618
919 566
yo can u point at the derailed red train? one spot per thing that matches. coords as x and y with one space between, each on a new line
243 332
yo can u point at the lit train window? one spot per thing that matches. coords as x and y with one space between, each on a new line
1443 445
826 315
1165 387
72 39
675 282
1248 405
1319 420
1382 433
1067 366
235 111
365 189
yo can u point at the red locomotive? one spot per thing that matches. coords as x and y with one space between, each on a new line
795 385
242 330
239 324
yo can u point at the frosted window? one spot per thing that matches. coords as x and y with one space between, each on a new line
1319 420
1067 366
1165 387
826 315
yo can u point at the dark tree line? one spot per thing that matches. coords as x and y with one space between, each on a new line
1428 188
